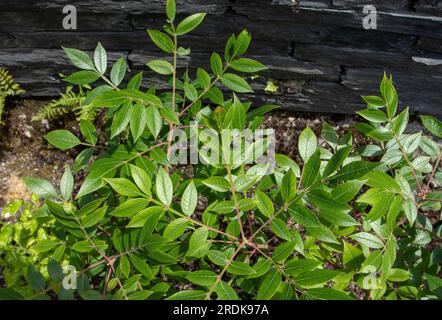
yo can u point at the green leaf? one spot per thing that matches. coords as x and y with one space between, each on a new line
217 257
149 214
261 111
247 65
89 131
190 23
62 139
352 256
135 82
331 210
225 291
121 119
322 233
161 67
154 122
189 199
435 285
345 192
315 277
288 186
296 267
138 121
380 207
94 217
130 207
91 295
216 64
382 181
242 43
67 184
410 210
240 268
35 278
368 240
190 92
400 122
279 227
171 10
202 278
269 285
236 83
40 187
117 98
283 251
198 244
307 144
336 161
238 114
224 207
100 59
162 41
430 147
79 59
170 115
203 78
374 101
303 216
123 187
433 125
9 294
264 204
118 71
261 267
82 77
218 184
244 182
164 187
355 170
175 229
306 218
376 116
141 266
412 142
310 172
326 294
142 179
188 295
104 168
55 271
46 245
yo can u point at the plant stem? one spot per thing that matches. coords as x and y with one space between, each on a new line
404 154
433 173
235 201
217 78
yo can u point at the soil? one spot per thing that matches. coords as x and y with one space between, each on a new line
24 151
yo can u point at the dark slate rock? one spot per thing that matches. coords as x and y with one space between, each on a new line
318 51
52 20
7 40
140 6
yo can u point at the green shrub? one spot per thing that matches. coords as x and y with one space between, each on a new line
351 221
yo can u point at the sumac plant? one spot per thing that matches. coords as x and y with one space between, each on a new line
351 221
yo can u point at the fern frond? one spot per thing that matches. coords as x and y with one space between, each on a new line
7 88
86 112
67 102
2 106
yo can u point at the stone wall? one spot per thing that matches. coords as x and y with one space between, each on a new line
318 52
